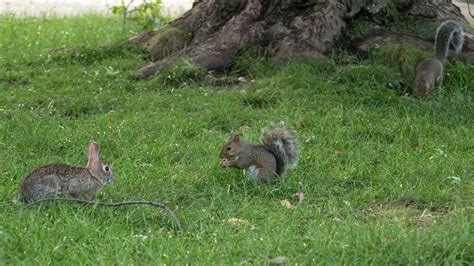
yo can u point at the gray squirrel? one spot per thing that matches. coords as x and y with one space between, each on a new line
429 73
264 162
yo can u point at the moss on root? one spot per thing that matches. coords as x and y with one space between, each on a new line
166 41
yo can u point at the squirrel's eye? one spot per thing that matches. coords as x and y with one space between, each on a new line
106 168
229 148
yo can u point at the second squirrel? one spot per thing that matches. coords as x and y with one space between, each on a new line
263 162
429 73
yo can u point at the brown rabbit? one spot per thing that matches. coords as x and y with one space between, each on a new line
64 180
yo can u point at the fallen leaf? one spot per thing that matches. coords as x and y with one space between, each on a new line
176 158
242 79
415 145
454 179
280 260
286 203
237 221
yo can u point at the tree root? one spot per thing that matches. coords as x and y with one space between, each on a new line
287 29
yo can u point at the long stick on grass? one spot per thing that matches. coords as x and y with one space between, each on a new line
115 204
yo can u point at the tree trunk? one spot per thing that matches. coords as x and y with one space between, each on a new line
214 32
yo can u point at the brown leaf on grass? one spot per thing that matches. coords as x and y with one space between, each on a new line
286 203
416 145
299 196
176 158
237 221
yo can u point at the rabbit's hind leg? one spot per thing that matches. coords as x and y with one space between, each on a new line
47 187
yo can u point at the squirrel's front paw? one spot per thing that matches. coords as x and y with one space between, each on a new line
225 163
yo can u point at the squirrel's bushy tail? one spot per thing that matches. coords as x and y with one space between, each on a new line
281 142
448 32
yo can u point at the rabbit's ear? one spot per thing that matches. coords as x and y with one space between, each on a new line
93 155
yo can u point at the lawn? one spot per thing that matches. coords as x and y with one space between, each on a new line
386 178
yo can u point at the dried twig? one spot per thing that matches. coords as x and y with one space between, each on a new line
115 204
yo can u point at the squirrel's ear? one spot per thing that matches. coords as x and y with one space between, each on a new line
93 155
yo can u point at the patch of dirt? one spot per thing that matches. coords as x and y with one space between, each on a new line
406 214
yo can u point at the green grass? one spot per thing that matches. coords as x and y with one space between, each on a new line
374 168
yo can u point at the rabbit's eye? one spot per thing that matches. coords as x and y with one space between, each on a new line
229 148
106 168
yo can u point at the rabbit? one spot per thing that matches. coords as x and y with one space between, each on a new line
53 180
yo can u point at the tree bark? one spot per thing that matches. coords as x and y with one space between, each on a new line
290 29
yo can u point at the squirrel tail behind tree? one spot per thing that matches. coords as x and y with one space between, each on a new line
448 32
282 143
